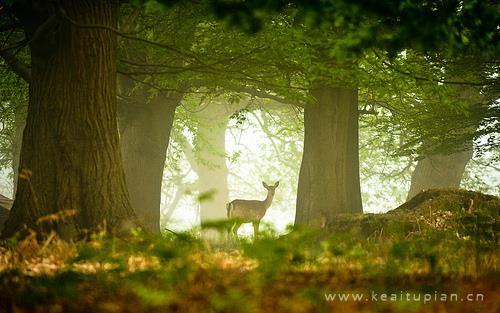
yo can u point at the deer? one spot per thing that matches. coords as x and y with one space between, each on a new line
250 211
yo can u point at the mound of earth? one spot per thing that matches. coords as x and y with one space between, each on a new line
433 209
452 200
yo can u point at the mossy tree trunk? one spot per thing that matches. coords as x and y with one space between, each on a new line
329 173
70 155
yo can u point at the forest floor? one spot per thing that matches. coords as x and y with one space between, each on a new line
436 253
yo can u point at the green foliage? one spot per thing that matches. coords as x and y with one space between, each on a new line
392 25
13 103
428 104
289 55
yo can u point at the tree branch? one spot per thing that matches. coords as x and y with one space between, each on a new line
16 65
441 81
10 26
367 112
265 95
63 14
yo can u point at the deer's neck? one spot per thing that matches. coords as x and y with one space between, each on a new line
268 200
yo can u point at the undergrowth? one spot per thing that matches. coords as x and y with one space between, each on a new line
425 249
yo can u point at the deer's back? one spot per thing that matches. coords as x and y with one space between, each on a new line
247 210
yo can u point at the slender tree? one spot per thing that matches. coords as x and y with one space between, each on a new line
210 158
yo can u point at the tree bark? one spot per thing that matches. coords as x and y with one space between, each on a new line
145 133
329 172
439 171
70 155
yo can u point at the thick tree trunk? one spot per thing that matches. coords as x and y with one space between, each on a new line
145 134
70 156
329 173
439 171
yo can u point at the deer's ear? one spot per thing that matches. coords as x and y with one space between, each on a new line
276 184
265 185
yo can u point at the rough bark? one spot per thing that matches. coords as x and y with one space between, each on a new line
145 133
329 172
439 171
70 155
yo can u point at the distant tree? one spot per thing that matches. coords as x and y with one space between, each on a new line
206 153
439 171
145 127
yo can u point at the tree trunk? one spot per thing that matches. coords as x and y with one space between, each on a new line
145 134
70 155
329 172
212 170
208 159
439 171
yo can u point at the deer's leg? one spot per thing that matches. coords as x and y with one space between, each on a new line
235 228
229 231
255 228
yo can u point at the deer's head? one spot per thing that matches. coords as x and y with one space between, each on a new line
271 189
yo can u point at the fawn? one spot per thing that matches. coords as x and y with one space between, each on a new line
250 211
